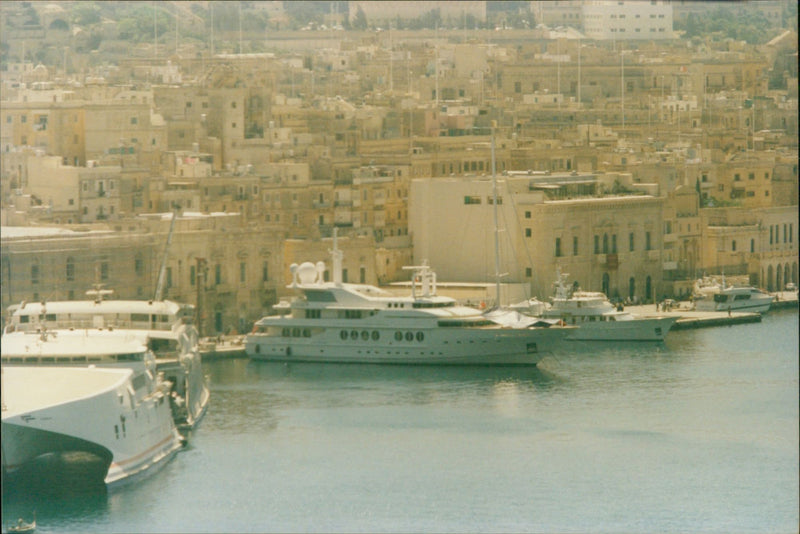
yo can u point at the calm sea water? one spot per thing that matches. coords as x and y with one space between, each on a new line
697 435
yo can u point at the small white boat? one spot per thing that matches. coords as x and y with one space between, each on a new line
598 319
24 526
342 322
710 295
114 407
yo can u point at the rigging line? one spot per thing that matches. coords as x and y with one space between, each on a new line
524 242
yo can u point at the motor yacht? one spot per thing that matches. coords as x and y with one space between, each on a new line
335 321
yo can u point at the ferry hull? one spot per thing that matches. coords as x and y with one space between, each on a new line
56 410
425 347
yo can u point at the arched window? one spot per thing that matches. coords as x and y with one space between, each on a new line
606 283
631 287
605 243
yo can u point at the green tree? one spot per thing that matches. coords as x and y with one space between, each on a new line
360 20
85 13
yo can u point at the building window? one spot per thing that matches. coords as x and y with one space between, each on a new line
596 244
752 245
528 272
70 269
527 214
647 244
605 243
770 234
192 274
733 245
528 232
264 272
574 245
558 247
35 274
242 272
217 274
134 120
104 271
169 277
469 199
614 244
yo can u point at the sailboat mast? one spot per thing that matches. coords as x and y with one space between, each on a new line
496 226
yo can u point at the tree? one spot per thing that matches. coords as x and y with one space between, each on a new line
85 13
360 20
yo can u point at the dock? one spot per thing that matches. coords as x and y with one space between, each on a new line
689 318
222 348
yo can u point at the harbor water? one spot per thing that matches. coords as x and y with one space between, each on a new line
699 434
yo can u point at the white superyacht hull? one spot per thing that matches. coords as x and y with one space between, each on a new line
91 410
652 329
433 346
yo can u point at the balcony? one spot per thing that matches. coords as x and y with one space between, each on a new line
653 255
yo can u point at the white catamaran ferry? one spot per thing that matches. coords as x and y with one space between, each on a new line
342 322
95 394
162 325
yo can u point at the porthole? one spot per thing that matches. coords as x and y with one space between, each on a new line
295 332
409 336
398 336
285 332
343 334
420 336
306 332
353 334
364 335
375 335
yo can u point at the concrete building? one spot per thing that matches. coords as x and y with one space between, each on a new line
606 20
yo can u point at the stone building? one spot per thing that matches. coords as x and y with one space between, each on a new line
609 243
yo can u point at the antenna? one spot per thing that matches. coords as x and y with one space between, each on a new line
163 270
